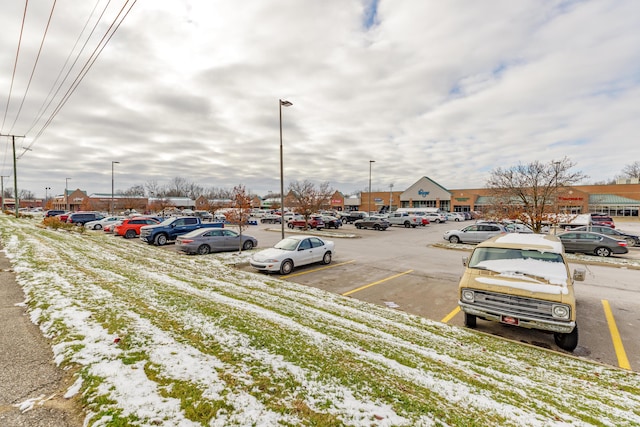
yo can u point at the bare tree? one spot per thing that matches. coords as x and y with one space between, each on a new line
239 215
309 198
530 191
631 170
154 189
27 195
178 187
132 198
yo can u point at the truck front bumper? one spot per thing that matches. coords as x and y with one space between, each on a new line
559 326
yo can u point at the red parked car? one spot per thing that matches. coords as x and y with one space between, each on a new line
130 227
314 222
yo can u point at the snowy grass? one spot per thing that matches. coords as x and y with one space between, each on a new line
161 338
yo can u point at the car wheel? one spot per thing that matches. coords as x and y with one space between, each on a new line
130 234
286 267
358 226
326 259
248 245
631 242
568 341
457 219
97 227
376 227
161 240
469 320
602 251
203 249
454 239
290 225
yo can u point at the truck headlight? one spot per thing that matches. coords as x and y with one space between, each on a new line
560 311
468 295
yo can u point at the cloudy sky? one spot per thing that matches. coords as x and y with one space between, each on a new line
191 88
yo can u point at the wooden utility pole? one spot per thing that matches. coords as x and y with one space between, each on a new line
15 174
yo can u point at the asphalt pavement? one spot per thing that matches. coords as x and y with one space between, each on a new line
31 385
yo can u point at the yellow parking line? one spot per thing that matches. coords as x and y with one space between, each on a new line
375 283
451 315
317 269
623 362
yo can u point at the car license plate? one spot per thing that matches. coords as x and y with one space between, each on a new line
510 320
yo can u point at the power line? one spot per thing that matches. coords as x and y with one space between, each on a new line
15 65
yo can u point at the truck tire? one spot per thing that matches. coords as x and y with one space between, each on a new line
407 224
469 320
161 239
567 342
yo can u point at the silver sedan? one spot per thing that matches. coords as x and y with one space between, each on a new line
205 240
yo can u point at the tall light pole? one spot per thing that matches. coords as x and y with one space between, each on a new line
112 163
280 105
370 162
46 196
390 196
555 225
66 193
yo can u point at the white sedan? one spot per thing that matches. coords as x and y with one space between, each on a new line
292 252
101 223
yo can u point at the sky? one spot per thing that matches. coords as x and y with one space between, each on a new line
190 89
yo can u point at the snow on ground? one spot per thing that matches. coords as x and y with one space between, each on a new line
161 338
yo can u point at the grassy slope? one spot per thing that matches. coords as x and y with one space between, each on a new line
207 342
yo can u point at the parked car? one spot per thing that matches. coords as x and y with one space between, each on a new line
291 252
379 224
521 280
475 233
101 223
331 221
53 212
205 240
130 227
313 222
434 217
632 239
602 220
454 216
518 227
204 215
63 216
587 242
406 219
351 217
171 228
270 219
81 218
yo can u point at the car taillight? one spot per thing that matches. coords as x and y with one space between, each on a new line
622 243
186 240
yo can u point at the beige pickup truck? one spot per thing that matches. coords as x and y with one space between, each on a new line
521 280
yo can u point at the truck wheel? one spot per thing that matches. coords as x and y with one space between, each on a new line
161 239
469 320
358 226
454 239
568 341
413 226
286 267
130 234
203 249
407 224
603 251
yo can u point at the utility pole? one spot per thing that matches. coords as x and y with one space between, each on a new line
15 174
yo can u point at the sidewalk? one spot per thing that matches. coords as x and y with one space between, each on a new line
28 374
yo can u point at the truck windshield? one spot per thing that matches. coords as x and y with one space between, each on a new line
549 266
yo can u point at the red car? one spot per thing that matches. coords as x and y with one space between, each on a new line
602 220
130 227
314 222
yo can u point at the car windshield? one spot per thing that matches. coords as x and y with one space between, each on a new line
287 244
539 265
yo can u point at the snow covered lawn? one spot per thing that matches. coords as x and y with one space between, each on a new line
161 338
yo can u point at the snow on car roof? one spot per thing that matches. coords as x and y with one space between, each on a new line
539 241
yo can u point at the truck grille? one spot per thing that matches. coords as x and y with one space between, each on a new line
512 305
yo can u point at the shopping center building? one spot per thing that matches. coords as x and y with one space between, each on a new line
620 199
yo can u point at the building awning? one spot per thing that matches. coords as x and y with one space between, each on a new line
611 199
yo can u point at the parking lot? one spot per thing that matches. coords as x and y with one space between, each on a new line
404 270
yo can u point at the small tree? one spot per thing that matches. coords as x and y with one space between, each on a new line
309 198
631 170
241 210
533 187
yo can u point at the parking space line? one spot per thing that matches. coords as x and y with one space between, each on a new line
623 362
451 315
375 283
317 269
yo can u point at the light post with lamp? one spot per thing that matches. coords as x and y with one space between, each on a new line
369 208
112 163
280 105
66 193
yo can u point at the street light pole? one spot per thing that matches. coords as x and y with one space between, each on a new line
112 163
280 105
390 196
66 193
370 162
46 196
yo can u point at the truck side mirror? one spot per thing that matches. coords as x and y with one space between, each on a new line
465 261
579 274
